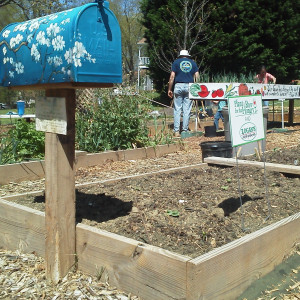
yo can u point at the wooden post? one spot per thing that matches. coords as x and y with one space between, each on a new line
291 112
60 193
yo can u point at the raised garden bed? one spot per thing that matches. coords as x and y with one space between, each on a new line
34 170
156 273
209 218
189 211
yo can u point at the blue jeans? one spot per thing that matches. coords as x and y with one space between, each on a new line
182 103
217 117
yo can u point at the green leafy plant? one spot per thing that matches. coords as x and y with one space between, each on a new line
118 122
173 212
225 187
161 136
233 77
8 153
22 142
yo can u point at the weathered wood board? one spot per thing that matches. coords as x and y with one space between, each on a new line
35 170
269 166
22 228
147 271
226 272
60 193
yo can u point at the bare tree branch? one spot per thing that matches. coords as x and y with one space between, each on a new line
187 28
5 2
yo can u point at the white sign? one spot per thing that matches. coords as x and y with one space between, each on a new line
246 119
51 115
219 91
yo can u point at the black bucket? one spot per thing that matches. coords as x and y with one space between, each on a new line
210 131
219 149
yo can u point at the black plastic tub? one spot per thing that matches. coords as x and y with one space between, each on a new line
216 148
210 131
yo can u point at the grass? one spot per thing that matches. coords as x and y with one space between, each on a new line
14 110
277 105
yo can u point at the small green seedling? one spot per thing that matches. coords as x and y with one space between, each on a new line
173 212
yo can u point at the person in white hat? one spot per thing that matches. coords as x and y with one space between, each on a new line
184 71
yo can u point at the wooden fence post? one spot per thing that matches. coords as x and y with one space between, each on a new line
291 112
60 193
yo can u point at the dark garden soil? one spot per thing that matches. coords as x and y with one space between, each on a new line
190 211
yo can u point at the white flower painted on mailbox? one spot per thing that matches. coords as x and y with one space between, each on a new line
53 30
16 41
21 27
6 33
58 43
19 68
29 38
34 25
46 43
42 40
57 61
66 21
35 53
68 56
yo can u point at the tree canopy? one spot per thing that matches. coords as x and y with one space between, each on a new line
128 14
236 36
246 34
172 25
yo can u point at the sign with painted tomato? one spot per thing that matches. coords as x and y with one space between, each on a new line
246 119
223 90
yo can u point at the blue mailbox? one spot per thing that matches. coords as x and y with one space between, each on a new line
75 47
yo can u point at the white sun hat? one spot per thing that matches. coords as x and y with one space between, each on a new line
184 53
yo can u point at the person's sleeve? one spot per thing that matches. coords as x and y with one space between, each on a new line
222 104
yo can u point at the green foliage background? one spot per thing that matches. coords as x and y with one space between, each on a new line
246 34
117 123
241 36
22 142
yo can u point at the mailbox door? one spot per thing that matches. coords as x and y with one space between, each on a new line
98 29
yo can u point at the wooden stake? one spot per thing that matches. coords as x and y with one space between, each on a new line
239 152
260 149
257 154
60 193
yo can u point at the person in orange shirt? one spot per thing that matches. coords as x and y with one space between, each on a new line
264 77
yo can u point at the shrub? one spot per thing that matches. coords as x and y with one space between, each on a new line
118 122
21 143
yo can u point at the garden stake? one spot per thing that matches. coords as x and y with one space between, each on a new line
266 185
239 187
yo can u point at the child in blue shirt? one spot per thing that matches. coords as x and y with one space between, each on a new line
219 114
